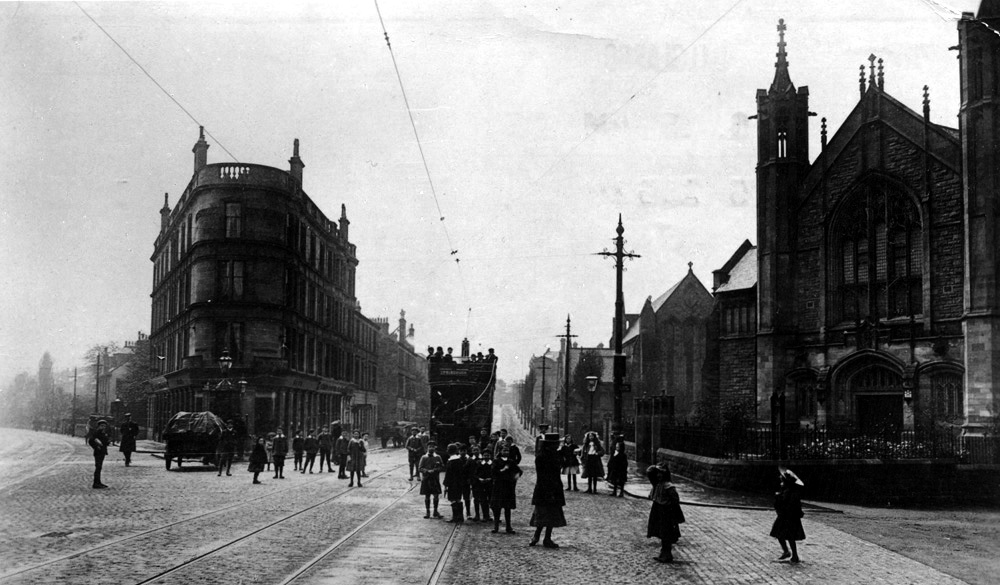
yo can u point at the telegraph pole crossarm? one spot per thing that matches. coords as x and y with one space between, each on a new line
619 360
566 377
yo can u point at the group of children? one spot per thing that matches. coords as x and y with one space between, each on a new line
475 479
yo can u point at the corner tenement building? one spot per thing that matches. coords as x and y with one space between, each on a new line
247 267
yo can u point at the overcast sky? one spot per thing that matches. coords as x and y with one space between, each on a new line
526 114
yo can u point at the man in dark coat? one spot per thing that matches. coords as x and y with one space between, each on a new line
548 498
325 449
226 448
280 450
99 443
787 527
414 451
342 448
454 479
129 431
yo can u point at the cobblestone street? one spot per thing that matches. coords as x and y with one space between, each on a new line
154 526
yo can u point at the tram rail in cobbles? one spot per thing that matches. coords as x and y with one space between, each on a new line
129 542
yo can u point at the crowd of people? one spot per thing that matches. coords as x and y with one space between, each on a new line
481 475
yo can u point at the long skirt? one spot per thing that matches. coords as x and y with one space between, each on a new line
593 467
548 516
788 528
662 524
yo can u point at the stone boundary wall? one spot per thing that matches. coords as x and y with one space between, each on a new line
856 481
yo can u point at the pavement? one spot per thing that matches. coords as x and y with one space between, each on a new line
49 512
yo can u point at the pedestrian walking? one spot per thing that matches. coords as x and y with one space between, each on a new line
454 477
226 448
593 468
280 446
504 496
570 462
298 446
429 470
665 515
325 449
618 469
414 451
548 498
311 445
98 441
342 448
128 432
356 451
258 459
787 527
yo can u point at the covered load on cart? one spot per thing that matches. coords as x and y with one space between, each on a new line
192 435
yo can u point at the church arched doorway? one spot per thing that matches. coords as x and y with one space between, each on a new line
873 397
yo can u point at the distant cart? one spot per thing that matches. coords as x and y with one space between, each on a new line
192 436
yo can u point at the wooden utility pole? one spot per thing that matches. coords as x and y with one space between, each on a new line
619 360
566 376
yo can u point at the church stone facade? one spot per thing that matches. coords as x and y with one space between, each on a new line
877 285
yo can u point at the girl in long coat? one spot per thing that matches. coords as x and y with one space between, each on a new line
258 459
356 451
570 462
593 467
548 498
618 470
505 474
665 515
787 527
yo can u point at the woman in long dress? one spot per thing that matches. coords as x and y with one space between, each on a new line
593 467
548 498
665 515
504 496
787 527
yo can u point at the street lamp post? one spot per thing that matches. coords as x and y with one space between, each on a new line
544 367
592 383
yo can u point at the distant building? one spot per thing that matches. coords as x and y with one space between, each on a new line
247 268
403 390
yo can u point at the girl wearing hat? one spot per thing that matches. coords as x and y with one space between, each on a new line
665 515
258 459
570 462
548 498
787 526
504 496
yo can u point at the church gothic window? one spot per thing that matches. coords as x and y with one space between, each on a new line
877 256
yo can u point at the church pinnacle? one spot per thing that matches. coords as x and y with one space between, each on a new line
782 81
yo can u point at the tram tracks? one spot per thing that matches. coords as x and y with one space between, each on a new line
133 539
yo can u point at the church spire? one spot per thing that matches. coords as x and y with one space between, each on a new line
782 81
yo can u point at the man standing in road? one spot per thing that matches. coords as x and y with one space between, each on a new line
99 443
129 431
343 450
227 446
414 451
325 447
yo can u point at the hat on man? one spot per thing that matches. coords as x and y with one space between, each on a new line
551 438
128 414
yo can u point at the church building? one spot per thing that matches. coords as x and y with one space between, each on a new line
877 285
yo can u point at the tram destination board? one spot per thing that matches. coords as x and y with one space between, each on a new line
461 398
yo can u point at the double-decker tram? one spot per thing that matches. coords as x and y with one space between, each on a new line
461 393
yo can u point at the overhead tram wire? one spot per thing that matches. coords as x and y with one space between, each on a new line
452 250
151 78
621 107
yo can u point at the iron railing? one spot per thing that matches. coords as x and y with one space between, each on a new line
764 443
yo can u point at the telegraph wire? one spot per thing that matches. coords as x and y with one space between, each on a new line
143 69
645 86
453 251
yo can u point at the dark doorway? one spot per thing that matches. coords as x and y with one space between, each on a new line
880 414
